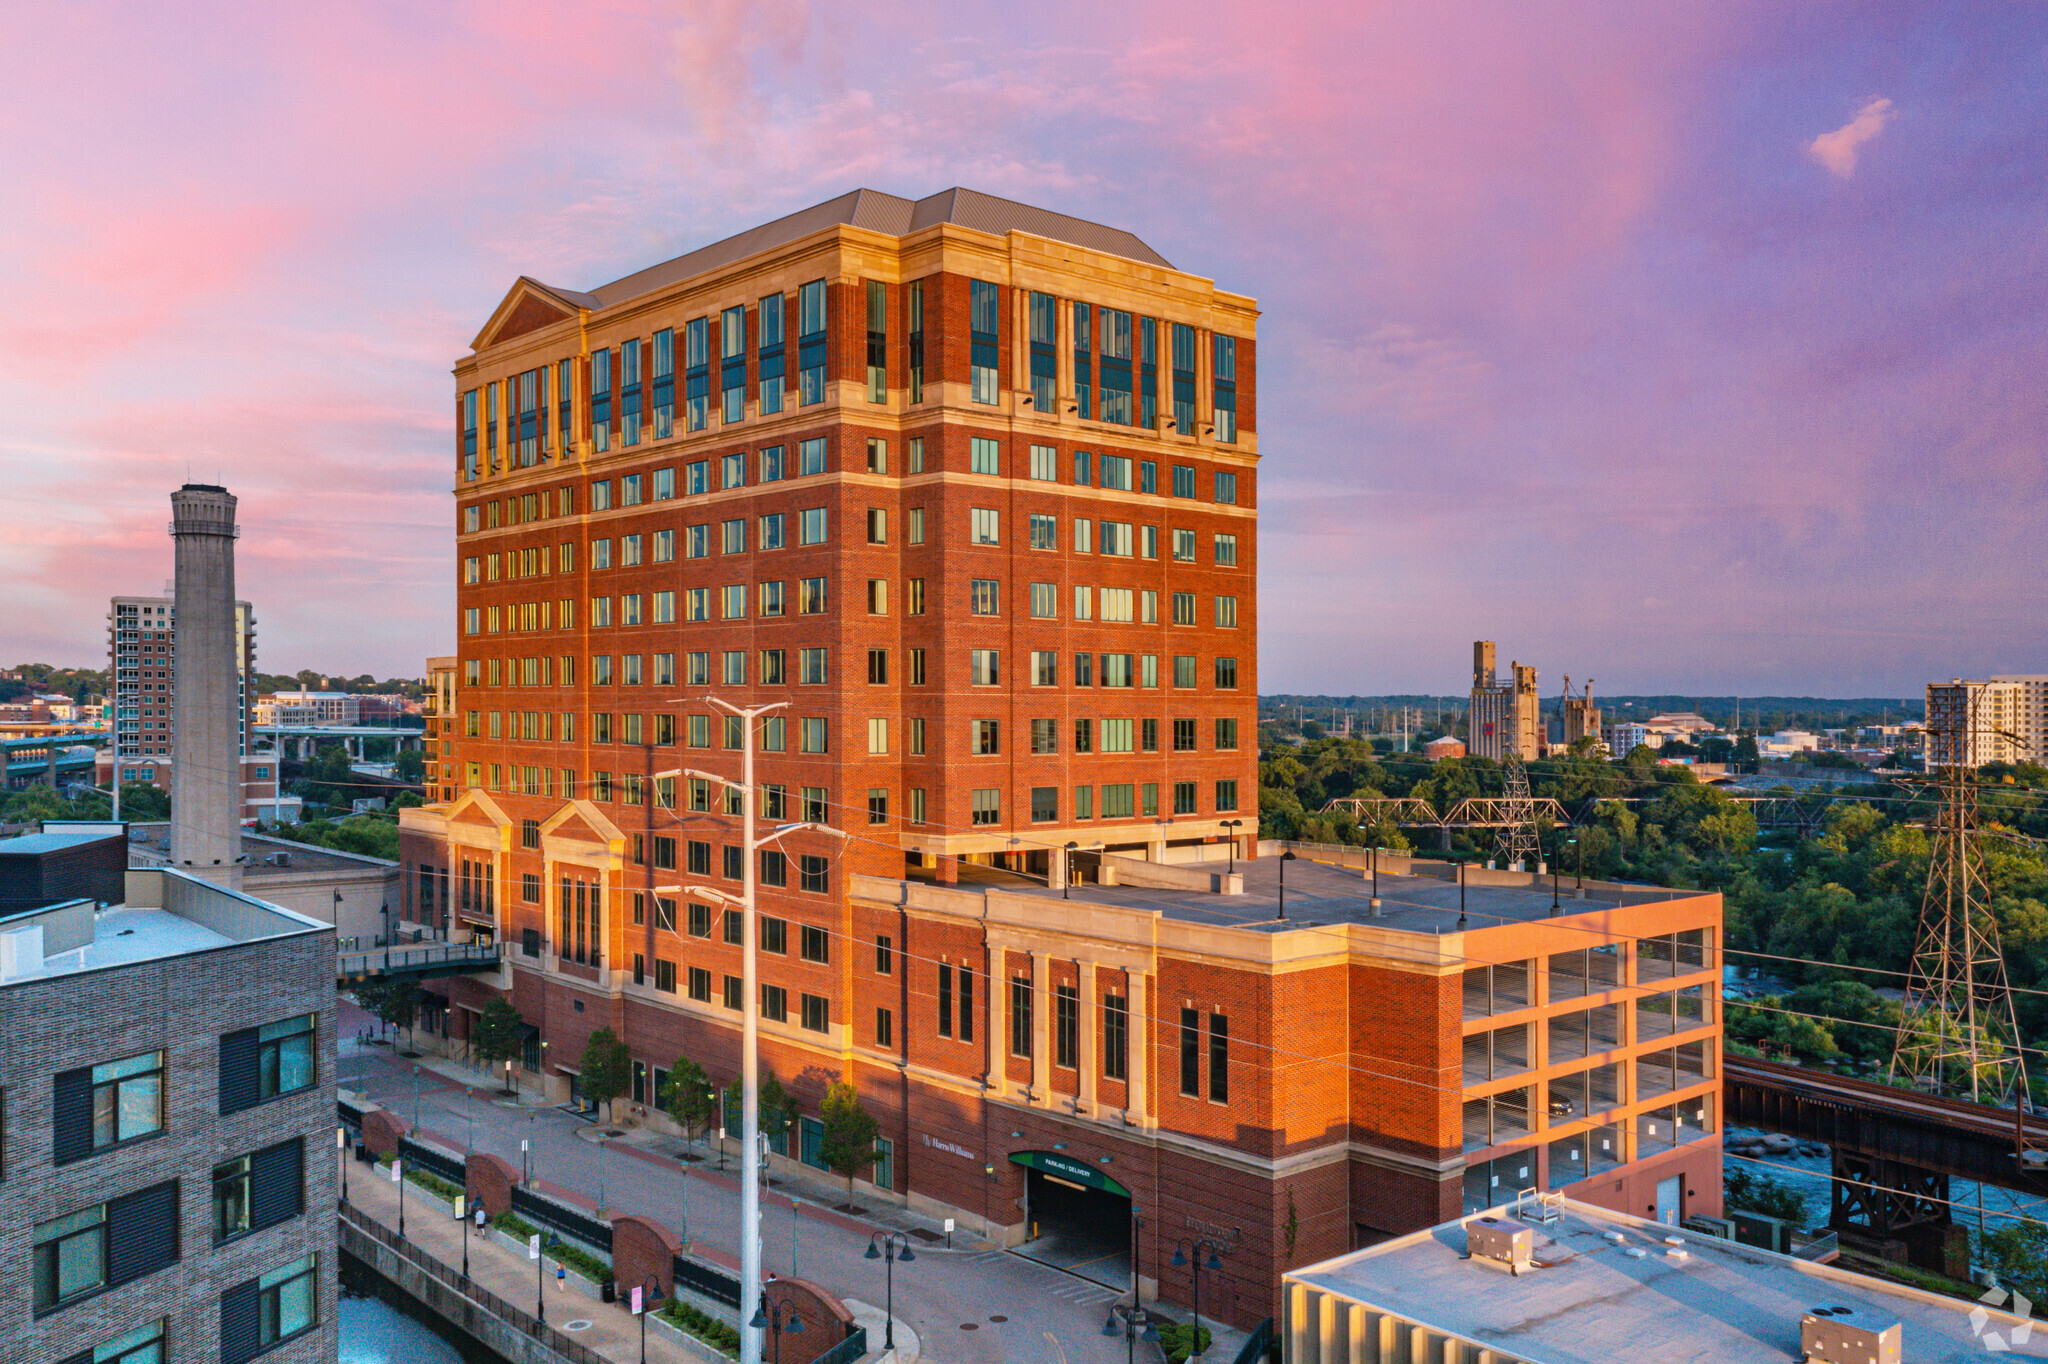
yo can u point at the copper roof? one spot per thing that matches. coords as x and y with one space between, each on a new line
877 212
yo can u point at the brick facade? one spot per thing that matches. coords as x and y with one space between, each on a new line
181 1005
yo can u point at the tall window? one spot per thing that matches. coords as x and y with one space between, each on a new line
600 407
770 327
916 308
1191 1052
945 1000
732 367
1226 389
1148 374
1116 1037
1020 1016
565 407
878 341
697 373
1066 1025
1183 379
982 316
1044 356
630 392
1116 366
984 456
466 419
663 367
1219 1058
1084 350
810 343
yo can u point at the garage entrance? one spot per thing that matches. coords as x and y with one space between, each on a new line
1078 1218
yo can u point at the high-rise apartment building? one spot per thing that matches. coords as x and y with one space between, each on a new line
2029 715
1973 723
142 649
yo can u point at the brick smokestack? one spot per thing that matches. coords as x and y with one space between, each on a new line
206 779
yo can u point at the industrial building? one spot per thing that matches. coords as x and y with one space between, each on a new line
1564 1282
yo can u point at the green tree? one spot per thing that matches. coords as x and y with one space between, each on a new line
400 1008
848 1146
778 1110
411 765
1750 1191
2018 1251
495 1036
689 1097
607 1069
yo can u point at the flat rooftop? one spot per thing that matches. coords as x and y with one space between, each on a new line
149 844
38 844
165 914
1320 893
1591 1301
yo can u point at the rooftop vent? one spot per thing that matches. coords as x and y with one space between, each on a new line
279 859
1846 1335
1496 1238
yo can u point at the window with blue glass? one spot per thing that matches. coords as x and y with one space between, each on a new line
1084 350
1148 373
1081 468
527 403
1183 480
696 374
565 380
1116 366
467 420
491 425
916 357
1183 379
878 341
1045 383
771 464
630 393
1225 377
1148 476
732 365
769 324
810 456
661 402
982 337
600 400
810 343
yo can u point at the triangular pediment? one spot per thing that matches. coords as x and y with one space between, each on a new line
476 809
529 306
581 822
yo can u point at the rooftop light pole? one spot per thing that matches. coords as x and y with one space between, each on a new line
750 1013
1233 825
1285 858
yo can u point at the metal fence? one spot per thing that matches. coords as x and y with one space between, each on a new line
560 1217
711 1283
1259 1346
518 1319
432 1161
846 1351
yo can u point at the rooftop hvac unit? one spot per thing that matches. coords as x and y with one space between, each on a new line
279 859
1496 1238
1849 1335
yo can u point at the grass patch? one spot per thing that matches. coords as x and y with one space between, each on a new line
432 1183
1177 1342
578 1259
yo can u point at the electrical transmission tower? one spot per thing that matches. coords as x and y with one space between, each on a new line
1958 1030
1516 841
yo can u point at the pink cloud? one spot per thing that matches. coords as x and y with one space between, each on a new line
1838 150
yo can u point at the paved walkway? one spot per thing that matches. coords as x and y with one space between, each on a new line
608 1328
974 1304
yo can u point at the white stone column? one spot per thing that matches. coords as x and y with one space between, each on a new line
1041 1030
997 983
1138 1046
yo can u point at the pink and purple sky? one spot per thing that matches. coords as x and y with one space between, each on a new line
1696 349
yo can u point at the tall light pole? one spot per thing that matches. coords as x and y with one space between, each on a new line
1233 825
750 1010
1285 858
1186 1252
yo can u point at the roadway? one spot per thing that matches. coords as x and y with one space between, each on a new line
971 1305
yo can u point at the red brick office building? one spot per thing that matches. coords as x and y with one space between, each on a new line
971 487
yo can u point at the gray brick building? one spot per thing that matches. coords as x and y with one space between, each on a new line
167 1155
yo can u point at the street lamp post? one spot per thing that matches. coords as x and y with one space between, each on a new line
889 1247
1375 872
1134 1323
776 1319
1579 844
1067 878
750 1056
1186 1252
1285 858
1554 905
476 1215
644 1298
341 1147
534 1246
398 1178
1233 825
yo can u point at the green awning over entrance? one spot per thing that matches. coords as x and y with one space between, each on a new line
1066 1167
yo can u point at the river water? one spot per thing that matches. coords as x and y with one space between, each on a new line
380 1325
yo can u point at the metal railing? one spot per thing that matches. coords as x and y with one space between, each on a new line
536 1207
846 1351
454 956
711 1283
514 1317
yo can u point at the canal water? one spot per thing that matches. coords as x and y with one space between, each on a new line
380 1325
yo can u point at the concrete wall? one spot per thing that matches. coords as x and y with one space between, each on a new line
494 1333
